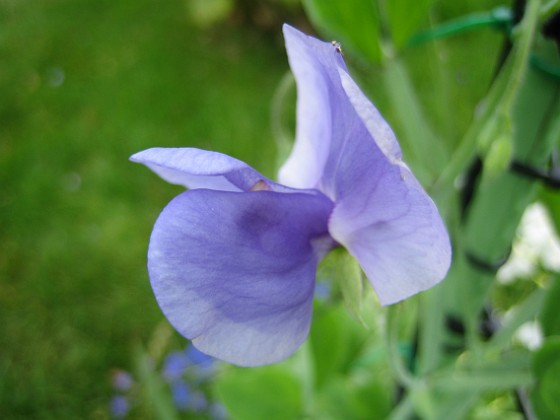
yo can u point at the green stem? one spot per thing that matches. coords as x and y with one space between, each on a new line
521 57
498 17
431 329
402 374
404 410
499 102
484 381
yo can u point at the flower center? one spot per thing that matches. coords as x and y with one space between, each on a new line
260 185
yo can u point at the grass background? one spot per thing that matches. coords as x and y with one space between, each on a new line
83 85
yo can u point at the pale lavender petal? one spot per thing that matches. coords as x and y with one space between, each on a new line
196 168
330 109
314 64
387 221
378 128
345 149
235 272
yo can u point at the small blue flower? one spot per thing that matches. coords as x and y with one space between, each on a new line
119 406
121 380
218 412
175 365
198 402
232 261
181 395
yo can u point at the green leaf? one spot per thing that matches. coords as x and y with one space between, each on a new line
550 316
270 393
345 271
551 199
355 23
351 284
336 341
546 367
346 398
405 18
329 342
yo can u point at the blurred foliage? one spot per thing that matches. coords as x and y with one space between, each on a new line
83 85
546 365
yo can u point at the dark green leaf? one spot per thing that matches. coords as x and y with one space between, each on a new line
405 18
355 23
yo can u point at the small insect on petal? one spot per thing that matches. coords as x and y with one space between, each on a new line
337 47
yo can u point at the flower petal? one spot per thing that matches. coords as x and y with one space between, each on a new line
196 168
330 108
378 128
346 150
314 64
235 272
387 221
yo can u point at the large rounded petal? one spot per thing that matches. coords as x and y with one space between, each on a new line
235 272
196 168
388 222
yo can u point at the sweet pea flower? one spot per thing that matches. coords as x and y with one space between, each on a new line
232 261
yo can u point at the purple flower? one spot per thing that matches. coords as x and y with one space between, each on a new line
119 406
175 365
198 402
181 395
232 261
121 380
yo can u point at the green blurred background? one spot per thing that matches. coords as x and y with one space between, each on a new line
83 85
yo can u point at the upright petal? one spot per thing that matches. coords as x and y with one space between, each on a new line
196 168
388 222
330 106
347 150
314 64
235 272
377 127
